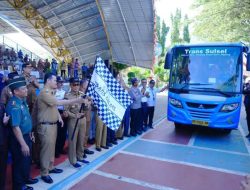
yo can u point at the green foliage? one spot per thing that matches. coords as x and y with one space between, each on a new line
186 36
139 72
161 73
161 32
119 66
222 20
176 25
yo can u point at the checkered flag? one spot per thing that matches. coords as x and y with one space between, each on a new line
110 98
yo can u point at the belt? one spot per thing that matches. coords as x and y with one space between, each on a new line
48 123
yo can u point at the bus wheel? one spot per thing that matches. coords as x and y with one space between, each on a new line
177 125
227 131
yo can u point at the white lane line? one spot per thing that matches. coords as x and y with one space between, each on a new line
186 163
133 181
197 147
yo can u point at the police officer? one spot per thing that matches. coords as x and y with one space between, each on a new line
21 136
76 149
48 118
87 111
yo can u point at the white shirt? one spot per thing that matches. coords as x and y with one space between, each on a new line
60 96
144 98
152 96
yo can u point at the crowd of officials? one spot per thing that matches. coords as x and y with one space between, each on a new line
35 123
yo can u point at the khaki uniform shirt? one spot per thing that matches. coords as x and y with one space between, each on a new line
31 98
73 109
47 108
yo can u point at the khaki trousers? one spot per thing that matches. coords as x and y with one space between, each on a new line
88 114
101 133
119 132
47 135
75 146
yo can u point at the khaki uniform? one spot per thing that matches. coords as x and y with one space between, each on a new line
48 116
101 133
119 132
76 145
6 95
87 112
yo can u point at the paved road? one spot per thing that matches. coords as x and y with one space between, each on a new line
165 158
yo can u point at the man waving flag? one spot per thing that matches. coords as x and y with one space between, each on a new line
111 99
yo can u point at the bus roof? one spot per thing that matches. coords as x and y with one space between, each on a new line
212 44
223 44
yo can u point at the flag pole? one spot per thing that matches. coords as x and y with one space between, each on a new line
82 105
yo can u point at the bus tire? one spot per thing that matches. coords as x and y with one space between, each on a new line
227 131
177 125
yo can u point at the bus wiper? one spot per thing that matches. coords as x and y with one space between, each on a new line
193 84
228 94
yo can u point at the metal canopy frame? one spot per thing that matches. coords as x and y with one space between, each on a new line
121 30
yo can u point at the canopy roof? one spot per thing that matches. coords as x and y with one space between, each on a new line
118 30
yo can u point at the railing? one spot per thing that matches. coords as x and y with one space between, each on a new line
11 44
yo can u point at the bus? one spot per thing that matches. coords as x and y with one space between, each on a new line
205 84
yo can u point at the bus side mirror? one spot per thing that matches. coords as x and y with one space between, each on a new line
248 61
168 60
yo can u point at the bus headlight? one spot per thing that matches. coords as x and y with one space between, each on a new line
229 107
175 103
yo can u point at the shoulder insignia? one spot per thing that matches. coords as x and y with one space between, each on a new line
13 103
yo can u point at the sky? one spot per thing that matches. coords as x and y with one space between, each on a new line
164 8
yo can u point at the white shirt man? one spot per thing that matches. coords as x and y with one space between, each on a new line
152 100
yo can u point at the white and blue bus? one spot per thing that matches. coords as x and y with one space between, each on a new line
205 85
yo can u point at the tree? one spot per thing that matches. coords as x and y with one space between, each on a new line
164 32
176 25
222 20
186 36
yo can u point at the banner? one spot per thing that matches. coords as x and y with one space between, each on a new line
110 98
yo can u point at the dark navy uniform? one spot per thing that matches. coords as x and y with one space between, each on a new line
20 117
20 133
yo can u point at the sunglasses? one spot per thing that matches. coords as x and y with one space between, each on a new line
75 84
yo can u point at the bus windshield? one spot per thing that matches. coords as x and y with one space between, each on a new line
207 69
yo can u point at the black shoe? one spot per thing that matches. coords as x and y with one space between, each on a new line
56 171
87 151
27 188
105 147
150 126
139 132
83 161
31 181
76 165
47 179
109 144
84 156
114 142
98 149
248 136
120 138
133 134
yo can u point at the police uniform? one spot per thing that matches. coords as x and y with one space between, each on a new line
18 111
47 129
101 134
76 145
